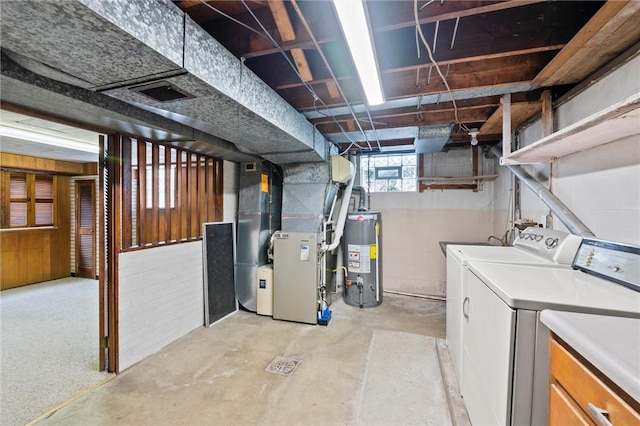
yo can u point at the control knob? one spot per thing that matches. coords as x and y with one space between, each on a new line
551 242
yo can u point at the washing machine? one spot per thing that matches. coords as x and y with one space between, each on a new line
533 246
505 368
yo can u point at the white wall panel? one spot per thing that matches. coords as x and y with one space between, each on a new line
160 298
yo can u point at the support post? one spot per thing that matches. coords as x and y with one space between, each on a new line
506 124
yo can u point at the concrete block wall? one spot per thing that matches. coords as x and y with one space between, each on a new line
160 298
600 185
414 223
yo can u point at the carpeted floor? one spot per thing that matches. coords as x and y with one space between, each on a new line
48 346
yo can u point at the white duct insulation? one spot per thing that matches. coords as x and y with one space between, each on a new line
562 212
342 217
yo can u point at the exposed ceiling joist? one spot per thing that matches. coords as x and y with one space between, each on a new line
520 112
404 16
287 33
612 30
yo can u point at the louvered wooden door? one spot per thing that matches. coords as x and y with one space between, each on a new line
85 229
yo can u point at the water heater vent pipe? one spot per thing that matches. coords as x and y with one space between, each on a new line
566 216
342 216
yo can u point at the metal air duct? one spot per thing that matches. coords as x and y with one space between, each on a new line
259 210
115 47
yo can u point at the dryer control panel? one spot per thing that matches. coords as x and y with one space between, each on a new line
553 245
616 262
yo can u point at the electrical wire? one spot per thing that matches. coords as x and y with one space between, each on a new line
307 84
283 52
430 53
335 79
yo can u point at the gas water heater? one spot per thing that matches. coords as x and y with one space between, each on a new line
362 256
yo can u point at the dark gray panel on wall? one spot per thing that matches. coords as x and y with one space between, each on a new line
218 246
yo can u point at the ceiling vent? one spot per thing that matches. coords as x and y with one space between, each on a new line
161 91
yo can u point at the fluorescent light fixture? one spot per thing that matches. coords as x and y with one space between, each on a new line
353 21
26 135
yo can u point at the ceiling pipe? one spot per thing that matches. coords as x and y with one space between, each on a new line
562 212
566 216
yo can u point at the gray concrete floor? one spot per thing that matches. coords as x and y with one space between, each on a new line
383 365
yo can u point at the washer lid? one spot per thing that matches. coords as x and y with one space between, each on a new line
538 288
496 254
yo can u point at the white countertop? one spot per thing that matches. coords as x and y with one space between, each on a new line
611 344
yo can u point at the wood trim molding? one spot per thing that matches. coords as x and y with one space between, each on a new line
25 162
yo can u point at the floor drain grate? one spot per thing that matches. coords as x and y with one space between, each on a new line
282 365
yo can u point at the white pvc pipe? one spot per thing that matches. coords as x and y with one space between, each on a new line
344 208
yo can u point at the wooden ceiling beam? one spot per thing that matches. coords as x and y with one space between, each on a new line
287 33
491 101
425 67
465 115
460 76
613 29
520 112
243 43
405 16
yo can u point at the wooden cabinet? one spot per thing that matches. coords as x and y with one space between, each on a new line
578 390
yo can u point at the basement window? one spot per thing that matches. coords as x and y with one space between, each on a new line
389 173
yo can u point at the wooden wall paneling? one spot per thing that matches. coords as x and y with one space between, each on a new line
211 190
176 223
167 194
219 180
25 162
114 213
39 254
155 194
36 244
10 273
202 192
195 206
195 212
127 187
60 243
103 277
190 183
4 199
31 184
142 193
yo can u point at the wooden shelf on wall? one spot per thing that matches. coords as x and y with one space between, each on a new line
456 178
615 122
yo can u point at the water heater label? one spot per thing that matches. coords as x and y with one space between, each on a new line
359 258
374 251
264 180
263 283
